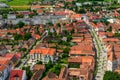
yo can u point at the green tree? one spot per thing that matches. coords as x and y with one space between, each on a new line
28 72
27 36
109 75
110 29
17 37
69 38
39 62
20 16
106 22
117 34
4 16
56 69
20 24
66 52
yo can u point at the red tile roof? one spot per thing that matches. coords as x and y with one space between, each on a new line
14 73
43 51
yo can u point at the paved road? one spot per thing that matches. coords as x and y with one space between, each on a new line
101 55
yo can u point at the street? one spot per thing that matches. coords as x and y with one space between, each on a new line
101 55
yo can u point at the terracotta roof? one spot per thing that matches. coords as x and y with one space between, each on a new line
78 39
39 11
38 67
3 62
39 6
74 16
82 52
51 76
81 59
14 73
43 51
111 40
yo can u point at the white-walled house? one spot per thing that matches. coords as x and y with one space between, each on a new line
43 54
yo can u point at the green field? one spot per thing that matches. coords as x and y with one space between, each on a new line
17 2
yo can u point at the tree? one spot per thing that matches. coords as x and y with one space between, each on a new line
39 62
109 75
27 36
4 16
82 10
48 65
20 24
17 36
69 38
56 69
110 29
65 52
106 22
58 25
117 34
28 72
20 16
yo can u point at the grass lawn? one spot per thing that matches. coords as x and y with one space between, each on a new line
17 2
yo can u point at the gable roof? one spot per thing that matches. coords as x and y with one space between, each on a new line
43 51
18 73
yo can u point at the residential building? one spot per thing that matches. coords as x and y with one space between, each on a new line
3 50
5 68
18 75
43 54
113 57
85 69
38 71
11 16
62 76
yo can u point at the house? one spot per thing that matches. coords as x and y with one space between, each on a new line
5 68
40 12
14 58
38 71
18 75
113 57
43 54
85 49
36 36
62 76
11 16
3 50
85 69
76 16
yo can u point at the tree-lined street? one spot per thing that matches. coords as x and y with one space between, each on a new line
101 55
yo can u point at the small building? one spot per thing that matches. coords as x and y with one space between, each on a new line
3 50
38 71
11 16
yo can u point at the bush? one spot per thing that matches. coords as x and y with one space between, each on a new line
109 75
